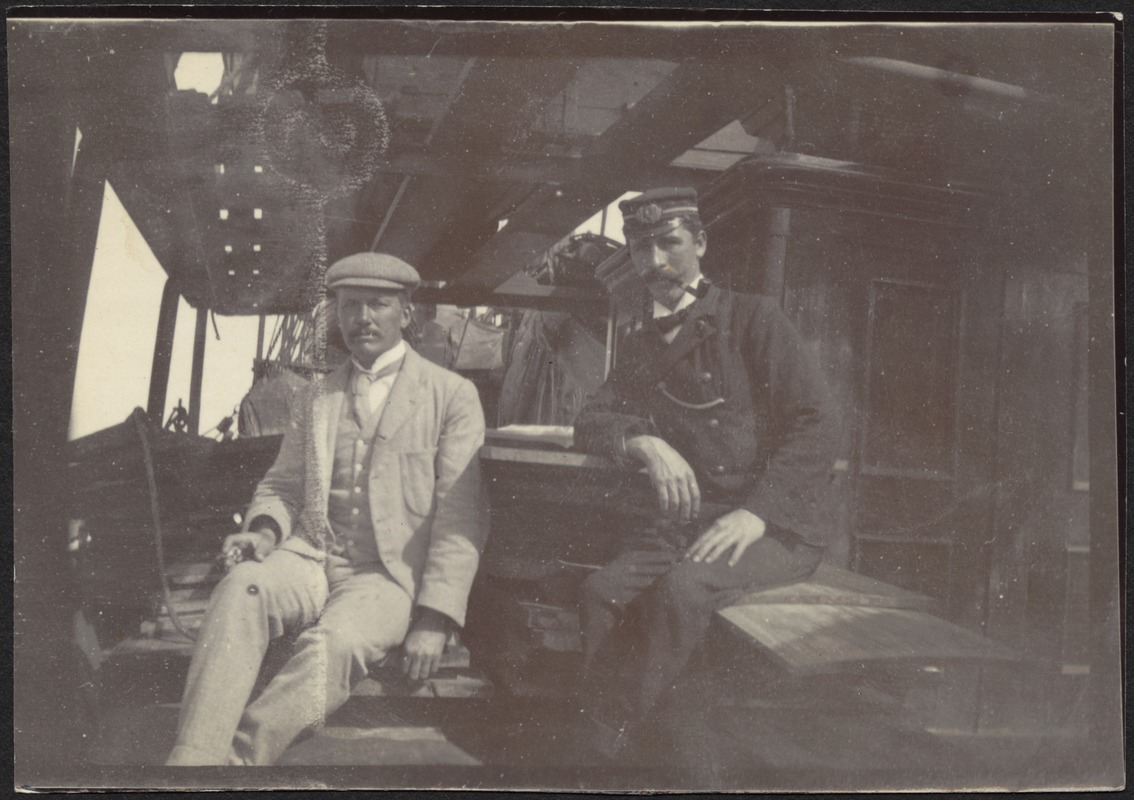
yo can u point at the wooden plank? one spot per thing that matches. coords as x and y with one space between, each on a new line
549 458
830 585
531 436
455 656
386 745
818 594
455 678
130 647
808 638
441 686
186 602
189 597
192 573
164 629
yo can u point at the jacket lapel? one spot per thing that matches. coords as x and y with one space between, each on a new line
660 358
401 404
328 408
696 328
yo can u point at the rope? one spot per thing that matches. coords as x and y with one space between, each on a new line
139 417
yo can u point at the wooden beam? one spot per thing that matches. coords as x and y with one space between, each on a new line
636 149
197 375
694 101
163 352
454 91
544 298
441 218
436 38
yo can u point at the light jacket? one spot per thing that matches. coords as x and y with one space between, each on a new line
427 503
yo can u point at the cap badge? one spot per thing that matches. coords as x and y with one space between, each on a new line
648 214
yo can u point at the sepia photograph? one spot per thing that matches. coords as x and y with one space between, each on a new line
672 401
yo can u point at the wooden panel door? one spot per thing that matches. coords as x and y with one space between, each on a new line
904 342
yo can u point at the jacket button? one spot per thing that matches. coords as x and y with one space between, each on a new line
718 469
704 377
714 423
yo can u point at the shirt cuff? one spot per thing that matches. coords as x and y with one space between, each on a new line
264 521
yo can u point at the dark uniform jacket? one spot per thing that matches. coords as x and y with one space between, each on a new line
739 397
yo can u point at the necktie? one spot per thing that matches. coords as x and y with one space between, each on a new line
361 388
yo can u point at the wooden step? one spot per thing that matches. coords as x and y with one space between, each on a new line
810 638
402 745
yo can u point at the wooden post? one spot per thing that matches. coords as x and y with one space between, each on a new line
260 339
163 352
775 253
611 336
54 223
198 370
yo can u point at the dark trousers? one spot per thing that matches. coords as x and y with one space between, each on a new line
646 612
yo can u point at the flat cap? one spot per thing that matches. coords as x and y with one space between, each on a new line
658 208
373 271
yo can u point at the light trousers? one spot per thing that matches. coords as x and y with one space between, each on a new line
348 618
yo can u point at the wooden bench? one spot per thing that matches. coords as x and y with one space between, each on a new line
838 619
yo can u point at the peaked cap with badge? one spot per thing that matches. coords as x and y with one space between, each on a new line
659 210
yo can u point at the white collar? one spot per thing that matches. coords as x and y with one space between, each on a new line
686 300
391 356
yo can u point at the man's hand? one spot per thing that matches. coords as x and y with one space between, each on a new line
671 476
735 530
425 644
251 544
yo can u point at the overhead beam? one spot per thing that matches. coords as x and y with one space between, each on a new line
694 101
497 106
458 38
1037 56
536 170
454 91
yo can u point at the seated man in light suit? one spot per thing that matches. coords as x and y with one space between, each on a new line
368 527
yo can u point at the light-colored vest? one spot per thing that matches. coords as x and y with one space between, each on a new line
348 509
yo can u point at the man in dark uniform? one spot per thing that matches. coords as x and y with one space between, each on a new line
719 400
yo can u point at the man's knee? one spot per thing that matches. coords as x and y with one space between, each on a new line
685 586
280 571
252 578
601 586
347 645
